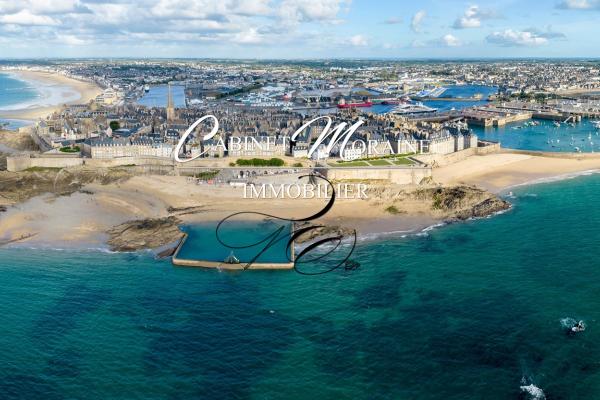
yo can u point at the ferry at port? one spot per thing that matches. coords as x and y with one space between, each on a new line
412 108
435 92
342 104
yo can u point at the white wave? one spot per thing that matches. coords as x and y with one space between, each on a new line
555 178
568 322
378 235
534 392
47 94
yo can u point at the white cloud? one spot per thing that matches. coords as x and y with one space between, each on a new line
295 11
72 40
250 36
169 22
451 41
254 7
417 19
359 40
579 4
510 37
472 17
41 6
24 17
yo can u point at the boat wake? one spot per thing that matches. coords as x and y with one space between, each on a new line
568 323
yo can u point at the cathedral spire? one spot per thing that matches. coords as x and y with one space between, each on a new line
170 107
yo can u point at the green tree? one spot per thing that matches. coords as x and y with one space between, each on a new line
114 125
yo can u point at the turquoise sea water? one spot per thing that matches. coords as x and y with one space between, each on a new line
467 311
545 136
13 92
245 239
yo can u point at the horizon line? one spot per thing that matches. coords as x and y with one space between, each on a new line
587 58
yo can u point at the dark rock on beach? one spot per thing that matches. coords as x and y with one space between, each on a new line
148 233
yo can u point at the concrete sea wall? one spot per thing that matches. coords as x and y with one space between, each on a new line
398 175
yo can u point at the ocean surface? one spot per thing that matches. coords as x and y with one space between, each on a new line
14 92
472 310
582 136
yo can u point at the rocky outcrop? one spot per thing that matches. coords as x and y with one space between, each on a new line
148 233
20 186
464 202
487 207
321 232
440 202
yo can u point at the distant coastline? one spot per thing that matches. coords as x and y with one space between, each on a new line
55 90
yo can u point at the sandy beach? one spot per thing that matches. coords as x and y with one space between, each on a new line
500 172
55 89
82 218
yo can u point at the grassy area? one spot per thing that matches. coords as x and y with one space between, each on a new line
69 149
261 162
402 161
42 169
386 161
379 163
351 164
392 210
207 175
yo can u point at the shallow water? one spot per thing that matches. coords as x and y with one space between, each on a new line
469 310
245 240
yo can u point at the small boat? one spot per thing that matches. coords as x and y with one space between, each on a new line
231 259
557 124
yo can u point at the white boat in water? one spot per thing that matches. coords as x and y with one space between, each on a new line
418 108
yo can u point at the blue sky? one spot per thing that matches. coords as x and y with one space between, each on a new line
299 28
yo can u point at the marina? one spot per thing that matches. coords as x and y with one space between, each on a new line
545 136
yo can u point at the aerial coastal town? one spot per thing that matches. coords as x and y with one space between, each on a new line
174 142
407 109
299 199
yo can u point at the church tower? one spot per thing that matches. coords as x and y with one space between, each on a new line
170 107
